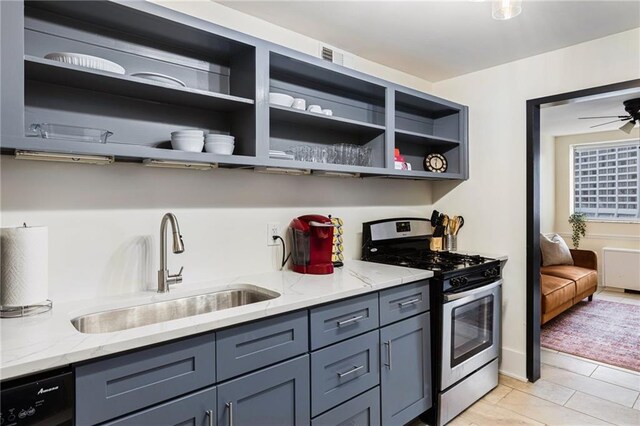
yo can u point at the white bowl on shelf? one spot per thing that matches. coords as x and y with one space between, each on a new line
280 99
219 148
219 138
188 144
188 132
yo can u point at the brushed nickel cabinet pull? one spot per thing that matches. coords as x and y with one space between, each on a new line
409 302
230 407
388 345
353 370
350 320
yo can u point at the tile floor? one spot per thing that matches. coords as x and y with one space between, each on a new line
571 391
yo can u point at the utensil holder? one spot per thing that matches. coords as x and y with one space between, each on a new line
452 242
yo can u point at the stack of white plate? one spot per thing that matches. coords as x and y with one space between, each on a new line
219 144
190 140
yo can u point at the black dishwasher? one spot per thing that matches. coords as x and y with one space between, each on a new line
41 399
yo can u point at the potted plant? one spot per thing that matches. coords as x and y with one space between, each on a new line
578 223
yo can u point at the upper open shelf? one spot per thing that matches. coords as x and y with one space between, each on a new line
325 122
405 136
123 85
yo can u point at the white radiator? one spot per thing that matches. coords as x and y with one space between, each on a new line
621 268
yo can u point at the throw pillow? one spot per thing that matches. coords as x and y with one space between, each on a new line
554 251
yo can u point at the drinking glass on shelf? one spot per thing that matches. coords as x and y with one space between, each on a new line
332 154
352 154
302 153
364 157
340 153
319 154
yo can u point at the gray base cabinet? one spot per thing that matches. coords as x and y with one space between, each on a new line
275 396
405 370
363 361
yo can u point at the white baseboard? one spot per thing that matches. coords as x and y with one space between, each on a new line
513 363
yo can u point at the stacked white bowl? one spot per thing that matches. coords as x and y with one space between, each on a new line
190 140
219 144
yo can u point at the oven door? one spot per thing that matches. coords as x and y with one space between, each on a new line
471 334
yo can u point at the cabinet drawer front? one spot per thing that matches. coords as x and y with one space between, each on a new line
403 302
363 410
274 396
338 321
122 384
343 371
405 379
188 410
252 346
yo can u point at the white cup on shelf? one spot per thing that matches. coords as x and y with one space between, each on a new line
299 103
327 112
315 108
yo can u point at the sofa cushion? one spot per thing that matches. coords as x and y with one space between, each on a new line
554 251
585 279
556 291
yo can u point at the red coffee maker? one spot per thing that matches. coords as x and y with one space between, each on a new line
312 242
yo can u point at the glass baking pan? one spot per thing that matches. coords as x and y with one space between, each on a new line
70 133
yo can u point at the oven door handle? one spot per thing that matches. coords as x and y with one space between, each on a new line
456 296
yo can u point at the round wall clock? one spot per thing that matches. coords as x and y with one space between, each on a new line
435 162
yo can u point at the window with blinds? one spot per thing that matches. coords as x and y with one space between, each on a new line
605 181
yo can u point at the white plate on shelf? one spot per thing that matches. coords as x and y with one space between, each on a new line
85 61
280 155
160 78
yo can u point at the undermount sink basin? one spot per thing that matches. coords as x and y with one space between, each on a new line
153 313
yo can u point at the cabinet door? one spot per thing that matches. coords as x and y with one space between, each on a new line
277 396
405 364
195 409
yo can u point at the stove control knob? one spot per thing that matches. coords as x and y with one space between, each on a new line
491 273
459 281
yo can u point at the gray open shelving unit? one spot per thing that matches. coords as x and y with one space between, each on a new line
228 75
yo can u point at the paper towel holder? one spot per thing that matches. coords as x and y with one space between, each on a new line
26 310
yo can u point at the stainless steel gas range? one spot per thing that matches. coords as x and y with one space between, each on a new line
467 290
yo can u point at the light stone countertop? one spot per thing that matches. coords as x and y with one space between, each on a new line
48 340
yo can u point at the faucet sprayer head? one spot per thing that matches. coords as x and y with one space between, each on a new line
178 244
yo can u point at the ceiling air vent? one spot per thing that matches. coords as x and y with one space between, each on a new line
330 54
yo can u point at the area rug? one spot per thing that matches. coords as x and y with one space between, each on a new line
600 330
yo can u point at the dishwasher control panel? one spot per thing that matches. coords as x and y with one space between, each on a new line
40 400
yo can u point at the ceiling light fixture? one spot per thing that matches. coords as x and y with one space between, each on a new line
628 126
505 9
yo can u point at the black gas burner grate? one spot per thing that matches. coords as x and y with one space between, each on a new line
427 259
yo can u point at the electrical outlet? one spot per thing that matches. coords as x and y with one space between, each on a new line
273 230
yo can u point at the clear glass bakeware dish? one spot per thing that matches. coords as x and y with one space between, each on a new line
70 133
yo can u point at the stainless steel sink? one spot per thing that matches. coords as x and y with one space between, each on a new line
152 313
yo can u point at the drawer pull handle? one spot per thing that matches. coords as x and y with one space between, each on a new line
353 370
388 345
350 320
210 417
409 302
230 409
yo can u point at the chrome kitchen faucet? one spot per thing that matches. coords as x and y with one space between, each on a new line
164 278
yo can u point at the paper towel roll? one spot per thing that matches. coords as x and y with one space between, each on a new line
24 263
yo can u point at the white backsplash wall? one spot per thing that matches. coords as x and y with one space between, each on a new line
104 221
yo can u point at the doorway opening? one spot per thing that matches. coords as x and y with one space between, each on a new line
537 217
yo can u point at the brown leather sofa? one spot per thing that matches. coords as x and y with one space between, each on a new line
562 286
